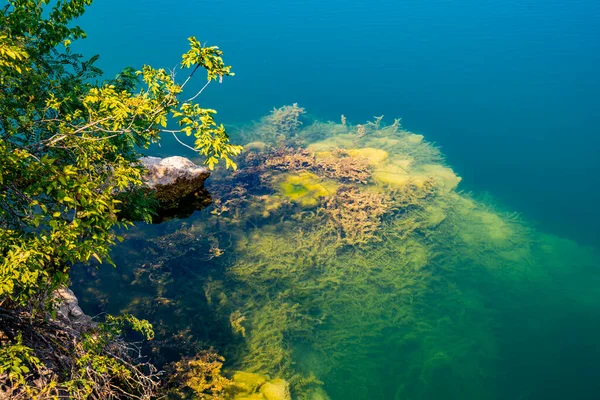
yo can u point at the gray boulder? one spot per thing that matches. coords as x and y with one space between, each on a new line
69 312
175 171
178 185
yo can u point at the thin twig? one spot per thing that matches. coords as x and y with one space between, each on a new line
180 142
198 94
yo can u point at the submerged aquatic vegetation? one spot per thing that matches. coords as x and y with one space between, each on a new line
340 165
305 188
290 159
336 164
281 125
344 256
356 215
199 377
286 119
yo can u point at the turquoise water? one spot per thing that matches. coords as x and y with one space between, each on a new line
484 304
507 88
362 272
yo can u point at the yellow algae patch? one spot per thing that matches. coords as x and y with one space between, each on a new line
391 178
319 155
382 142
446 176
317 393
253 396
394 175
399 180
257 146
273 203
374 156
306 188
277 389
435 216
414 139
402 163
515 254
392 168
248 381
334 142
251 386
323 146
495 227
463 205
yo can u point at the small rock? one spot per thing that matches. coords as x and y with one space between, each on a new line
178 185
170 170
69 311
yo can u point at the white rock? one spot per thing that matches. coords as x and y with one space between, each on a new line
167 171
177 184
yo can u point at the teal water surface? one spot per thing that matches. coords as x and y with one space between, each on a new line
507 88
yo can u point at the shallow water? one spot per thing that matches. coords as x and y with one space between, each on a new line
450 295
350 263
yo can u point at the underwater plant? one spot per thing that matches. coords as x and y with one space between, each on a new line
356 215
199 377
286 119
290 159
345 257
281 125
305 188
340 165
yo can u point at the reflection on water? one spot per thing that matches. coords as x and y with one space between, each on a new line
344 259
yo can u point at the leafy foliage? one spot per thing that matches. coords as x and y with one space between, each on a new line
96 364
69 148
14 360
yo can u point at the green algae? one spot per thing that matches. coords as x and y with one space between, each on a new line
417 305
305 188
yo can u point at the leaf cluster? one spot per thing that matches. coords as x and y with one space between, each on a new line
16 359
96 364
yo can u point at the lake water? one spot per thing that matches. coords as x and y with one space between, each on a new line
507 88
482 304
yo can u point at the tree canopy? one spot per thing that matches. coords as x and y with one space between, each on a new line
69 143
